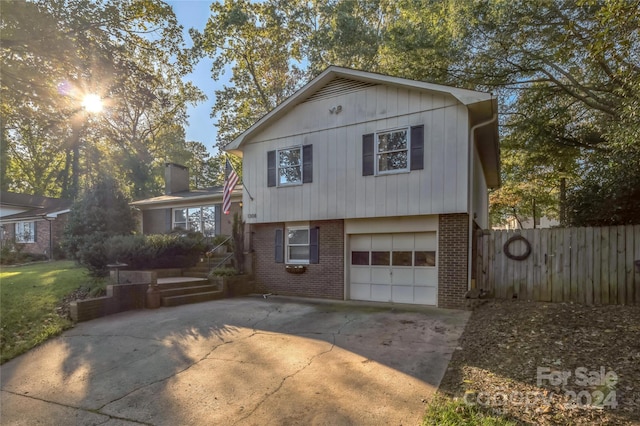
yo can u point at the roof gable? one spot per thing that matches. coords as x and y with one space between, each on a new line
334 80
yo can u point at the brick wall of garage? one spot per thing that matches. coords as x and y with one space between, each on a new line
323 280
453 259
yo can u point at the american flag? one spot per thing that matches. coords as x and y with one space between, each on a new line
229 183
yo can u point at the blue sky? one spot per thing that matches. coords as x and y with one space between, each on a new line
194 14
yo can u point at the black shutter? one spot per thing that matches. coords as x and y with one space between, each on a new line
35 232
368 155
279 246
307 164
271 168
314 245
417 148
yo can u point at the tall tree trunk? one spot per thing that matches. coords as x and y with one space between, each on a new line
4 149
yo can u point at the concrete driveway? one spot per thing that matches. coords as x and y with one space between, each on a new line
246 361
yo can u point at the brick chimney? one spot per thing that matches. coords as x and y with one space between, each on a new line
176 178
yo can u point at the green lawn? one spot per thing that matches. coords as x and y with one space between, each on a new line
444 411
28 297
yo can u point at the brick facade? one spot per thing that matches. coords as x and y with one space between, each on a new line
41 243
453 243
323 280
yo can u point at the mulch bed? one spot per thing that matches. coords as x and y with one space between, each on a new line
62 308
505 344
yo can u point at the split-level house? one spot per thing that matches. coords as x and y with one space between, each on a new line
368 187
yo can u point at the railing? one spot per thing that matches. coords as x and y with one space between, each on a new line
211 252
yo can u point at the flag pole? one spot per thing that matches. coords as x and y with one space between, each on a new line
242 181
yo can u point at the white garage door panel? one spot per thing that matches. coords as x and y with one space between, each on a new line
426 277
360 274
426 295
360 291
400 281
381 293
360 243
380 275
402 294
403 242
426 241
402 275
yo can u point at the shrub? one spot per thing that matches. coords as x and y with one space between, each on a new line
223 271
101 212
154 251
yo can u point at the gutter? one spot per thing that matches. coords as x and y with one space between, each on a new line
472 145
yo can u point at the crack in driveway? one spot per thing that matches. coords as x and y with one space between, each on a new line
284 379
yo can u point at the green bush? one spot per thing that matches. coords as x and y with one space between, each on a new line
154 251
223 271
13 254
101 212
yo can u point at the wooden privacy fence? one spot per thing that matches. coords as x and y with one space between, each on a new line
580 265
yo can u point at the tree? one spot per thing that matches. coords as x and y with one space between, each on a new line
253 39
101 212
608 192
130 52
567 73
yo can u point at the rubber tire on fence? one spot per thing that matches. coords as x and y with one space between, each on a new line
523 256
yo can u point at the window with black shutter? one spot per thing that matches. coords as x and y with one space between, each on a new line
393 151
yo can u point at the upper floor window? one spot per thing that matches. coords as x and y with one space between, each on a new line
290 166
25 232
196 219
392 151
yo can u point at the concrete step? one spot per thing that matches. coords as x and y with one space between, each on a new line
169 292
178 282
196 274
199 268
192 298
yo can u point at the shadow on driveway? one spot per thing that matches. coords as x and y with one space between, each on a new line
237 361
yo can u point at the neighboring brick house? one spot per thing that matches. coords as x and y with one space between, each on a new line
197 210
35 222
368 187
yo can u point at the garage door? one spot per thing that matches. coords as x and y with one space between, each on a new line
397 268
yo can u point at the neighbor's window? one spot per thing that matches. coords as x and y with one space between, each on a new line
392 151
196 219
25 232
290 166
297 245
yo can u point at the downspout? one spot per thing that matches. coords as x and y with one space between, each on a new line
472 145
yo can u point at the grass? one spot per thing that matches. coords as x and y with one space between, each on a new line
28 298
444 411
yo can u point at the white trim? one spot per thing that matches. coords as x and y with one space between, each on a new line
288 260
298 147
407 169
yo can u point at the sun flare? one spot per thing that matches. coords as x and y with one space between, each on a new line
92 103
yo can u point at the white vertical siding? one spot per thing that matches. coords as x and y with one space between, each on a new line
338 189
